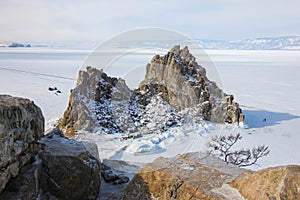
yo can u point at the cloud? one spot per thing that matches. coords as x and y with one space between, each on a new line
58 21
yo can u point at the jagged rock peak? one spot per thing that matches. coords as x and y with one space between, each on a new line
184 84
183 54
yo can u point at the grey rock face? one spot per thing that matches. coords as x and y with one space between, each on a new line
63 169
21 125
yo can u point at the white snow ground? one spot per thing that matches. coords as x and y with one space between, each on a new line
265 83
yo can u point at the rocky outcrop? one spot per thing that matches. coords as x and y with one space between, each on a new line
278 183
188 176
21 125
62 169
174 90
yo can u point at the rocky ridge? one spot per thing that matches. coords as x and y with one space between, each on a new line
175 82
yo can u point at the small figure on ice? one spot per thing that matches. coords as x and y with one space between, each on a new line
55 90
265 120
52 88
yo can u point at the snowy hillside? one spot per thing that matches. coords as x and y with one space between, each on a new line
272 43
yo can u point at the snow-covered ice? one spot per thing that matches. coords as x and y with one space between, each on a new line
29 72
265 83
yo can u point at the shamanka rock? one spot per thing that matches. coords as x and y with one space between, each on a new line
175 90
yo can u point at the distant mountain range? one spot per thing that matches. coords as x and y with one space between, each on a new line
271 43
268 43
13 44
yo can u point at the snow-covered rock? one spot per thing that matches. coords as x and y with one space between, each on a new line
94 102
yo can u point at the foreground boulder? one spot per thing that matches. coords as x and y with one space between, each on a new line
21 125
188 176
63 169
45 167
70 170
278 183
196 176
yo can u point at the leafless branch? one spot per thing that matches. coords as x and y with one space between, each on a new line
222 147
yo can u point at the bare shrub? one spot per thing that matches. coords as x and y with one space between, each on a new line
222 147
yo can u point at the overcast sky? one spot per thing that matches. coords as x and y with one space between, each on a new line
95 20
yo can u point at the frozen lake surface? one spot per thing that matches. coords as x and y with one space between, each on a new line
265 83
